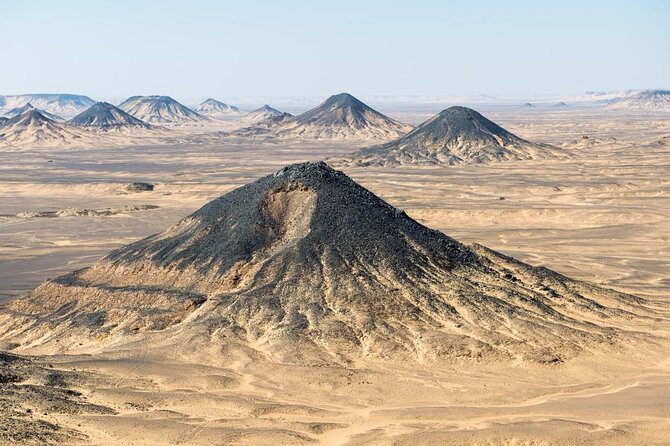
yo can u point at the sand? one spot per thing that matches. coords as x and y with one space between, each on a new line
601 216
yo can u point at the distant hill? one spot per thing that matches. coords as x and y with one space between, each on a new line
106 117
341 116
605 97
217 109
21 110
263 113
653 100
631 99
33 128
161 110
58 104
264 126
456 135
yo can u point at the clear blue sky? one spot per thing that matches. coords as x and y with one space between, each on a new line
200 48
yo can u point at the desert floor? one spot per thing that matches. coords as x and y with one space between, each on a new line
602 215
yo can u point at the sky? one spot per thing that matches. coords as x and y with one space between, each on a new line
199 48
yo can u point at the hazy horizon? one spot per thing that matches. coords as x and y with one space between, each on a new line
207 49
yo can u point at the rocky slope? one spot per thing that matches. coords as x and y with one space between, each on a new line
457 135
307 266
160 110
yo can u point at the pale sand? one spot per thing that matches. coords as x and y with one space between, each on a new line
603 216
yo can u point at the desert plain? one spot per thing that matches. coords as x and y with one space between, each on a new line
601 214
